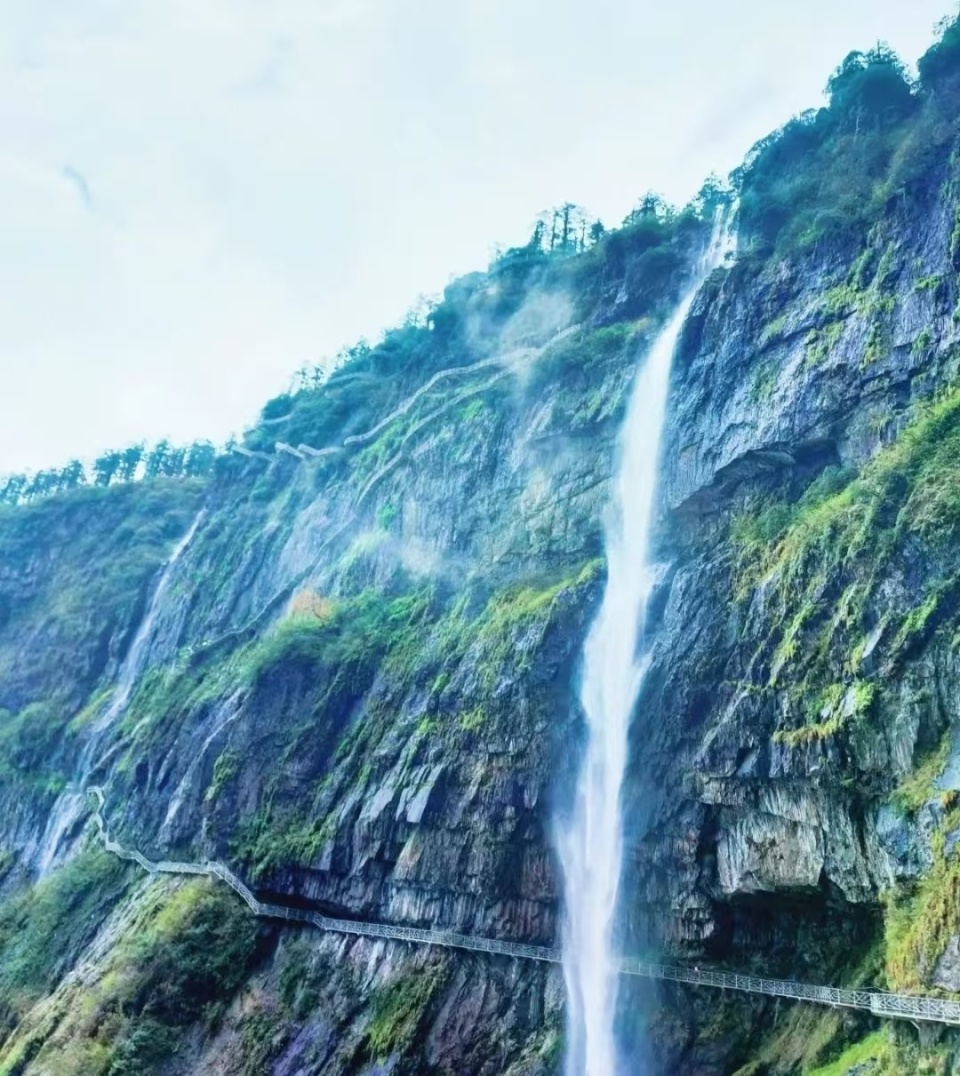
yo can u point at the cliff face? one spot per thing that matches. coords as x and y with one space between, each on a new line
793 764
808 514
352 683
356 681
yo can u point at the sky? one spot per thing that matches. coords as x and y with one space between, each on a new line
199 198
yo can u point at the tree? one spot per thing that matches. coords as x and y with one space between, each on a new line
156 464
71 476
418 316
41 484
175 463
105 468
939 67
130 459
712 194
539 232
568 226
651 207
869 89
277 408
562 230
12 488
200 459
781 172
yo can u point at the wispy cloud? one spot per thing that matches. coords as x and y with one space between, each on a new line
79 182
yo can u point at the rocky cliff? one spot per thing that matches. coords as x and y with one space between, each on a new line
355 682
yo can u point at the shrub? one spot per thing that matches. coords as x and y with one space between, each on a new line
826 176
939 67
43 929
191 958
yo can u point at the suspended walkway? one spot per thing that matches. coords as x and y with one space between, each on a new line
910 1007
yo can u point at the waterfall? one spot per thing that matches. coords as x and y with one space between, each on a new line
590 842
71 804
133 662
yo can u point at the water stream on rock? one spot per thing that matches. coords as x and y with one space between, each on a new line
590 843
72 803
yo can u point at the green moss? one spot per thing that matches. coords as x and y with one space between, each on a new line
877 344
773 331
509 612
822 556
272 838
579 352
874 1047
917 621
838 705
225 769
142 1048
922 343
935 283
398 1010
764 383
372 457
176 961
29 747
472 719
358 632
919 787
808 734
263 1034
757 535
787 649
922 917
305 973
821 342
164 700
471 411
191 956
386 515
844 299
43 929
955 238
804 1037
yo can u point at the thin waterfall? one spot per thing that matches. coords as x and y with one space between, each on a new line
590 842
71 803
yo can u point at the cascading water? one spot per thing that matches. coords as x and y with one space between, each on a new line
71 803
133 662
590 842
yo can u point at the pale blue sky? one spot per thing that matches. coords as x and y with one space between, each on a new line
198 197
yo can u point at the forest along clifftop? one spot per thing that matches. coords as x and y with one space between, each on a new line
358 683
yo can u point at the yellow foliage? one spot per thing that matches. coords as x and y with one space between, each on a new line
308 603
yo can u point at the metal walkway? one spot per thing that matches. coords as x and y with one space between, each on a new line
893 1006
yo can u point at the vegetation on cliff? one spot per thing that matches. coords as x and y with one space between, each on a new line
828 175
362 689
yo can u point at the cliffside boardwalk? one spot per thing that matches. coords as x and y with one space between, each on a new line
892 1006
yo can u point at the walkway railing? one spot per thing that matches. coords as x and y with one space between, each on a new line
894 1006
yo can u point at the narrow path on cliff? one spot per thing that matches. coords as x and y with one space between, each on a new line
505 362
892 1006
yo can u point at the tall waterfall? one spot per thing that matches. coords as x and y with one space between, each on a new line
590 844
71 804
133 663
